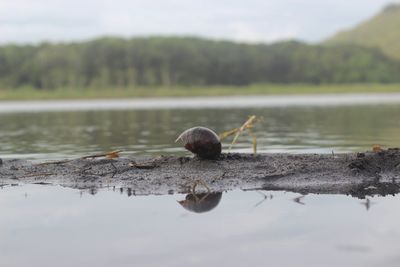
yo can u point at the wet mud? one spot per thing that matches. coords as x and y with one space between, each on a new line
356 174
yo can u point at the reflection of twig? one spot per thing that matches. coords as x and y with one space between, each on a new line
199 182
265 197
368 203
298 200
193 190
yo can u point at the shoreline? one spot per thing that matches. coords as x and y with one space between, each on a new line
200 102
140 92
356 174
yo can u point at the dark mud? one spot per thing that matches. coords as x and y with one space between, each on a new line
357 174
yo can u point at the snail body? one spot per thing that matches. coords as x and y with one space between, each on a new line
201 141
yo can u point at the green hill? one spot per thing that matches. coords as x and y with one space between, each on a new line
381 31
117 62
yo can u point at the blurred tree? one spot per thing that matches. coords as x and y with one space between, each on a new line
157 61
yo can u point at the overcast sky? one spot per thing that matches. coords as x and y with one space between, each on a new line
245 20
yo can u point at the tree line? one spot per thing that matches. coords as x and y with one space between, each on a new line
170 61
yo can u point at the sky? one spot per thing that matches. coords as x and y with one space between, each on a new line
34 21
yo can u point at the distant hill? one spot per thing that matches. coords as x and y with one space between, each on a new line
381 31
156 61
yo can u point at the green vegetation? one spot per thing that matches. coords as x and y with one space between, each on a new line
382 31
109 63
134 92
172 66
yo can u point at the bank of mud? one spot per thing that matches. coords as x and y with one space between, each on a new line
357 174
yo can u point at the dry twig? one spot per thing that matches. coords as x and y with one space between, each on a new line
248 125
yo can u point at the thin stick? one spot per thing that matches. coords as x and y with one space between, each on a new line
54 162
101 155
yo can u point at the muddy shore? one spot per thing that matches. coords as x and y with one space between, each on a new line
357 174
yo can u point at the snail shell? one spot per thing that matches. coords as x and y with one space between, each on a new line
201 141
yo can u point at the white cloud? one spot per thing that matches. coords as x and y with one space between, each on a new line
251 20
248 33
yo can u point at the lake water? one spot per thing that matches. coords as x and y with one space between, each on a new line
42 226
53 130
55 226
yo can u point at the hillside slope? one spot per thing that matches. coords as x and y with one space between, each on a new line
381 31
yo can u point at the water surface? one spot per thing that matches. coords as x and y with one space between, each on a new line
55 226
54 135
245 229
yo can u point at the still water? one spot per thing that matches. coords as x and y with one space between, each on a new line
55 226
320 129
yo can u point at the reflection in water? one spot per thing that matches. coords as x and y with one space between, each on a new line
299 199
194 202
94 190
367 203
111 229
203 202
265 197
300 129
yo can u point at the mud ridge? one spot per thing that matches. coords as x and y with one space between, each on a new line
357 174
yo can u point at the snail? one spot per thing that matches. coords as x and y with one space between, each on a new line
201 141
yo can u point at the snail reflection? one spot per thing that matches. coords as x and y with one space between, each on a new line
201 202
